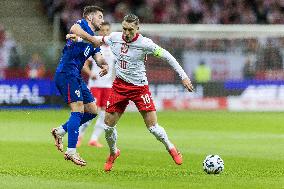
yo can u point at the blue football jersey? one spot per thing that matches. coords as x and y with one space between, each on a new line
75 54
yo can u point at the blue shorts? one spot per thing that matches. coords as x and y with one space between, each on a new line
72 88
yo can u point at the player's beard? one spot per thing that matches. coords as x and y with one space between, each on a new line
97 28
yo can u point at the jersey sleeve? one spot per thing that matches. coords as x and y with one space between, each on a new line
156 50
80 22
83 24
151 47
97 50
108 40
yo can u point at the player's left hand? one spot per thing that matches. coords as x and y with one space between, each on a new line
187 84
104 70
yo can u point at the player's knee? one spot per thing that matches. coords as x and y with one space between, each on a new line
150 123
150 118
91 108
77 106
110 120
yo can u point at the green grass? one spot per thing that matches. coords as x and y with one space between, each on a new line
251 145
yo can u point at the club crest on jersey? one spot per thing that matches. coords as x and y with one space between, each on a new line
124 48
77 92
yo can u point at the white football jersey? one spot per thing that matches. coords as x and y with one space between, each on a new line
106 80
131 56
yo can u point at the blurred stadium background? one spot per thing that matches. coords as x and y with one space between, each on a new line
232 50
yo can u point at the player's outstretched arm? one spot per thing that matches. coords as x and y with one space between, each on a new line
76 38
78 31
165 55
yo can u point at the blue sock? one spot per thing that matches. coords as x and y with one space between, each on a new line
64 126
73 128
86 117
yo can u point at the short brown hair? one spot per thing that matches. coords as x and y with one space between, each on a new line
90 9
105 24
131 18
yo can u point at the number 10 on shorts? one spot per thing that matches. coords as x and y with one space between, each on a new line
146 98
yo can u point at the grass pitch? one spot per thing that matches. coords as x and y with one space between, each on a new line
251 145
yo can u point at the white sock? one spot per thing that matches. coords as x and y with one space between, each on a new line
61 131
71 150
82 128
161 135
99 127
111 137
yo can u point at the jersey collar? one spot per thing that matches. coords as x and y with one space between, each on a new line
134 39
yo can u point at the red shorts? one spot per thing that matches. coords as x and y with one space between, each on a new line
101 95
122 92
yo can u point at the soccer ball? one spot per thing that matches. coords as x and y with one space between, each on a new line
213 164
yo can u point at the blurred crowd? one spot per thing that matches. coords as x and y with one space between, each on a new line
262 54
174 11
268 53
9 57
11 65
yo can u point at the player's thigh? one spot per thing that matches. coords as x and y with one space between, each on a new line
69 87
116 102
112 118
91 107
86 93
143 99
149 117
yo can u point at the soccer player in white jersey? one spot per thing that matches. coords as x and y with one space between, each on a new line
100 87
130 50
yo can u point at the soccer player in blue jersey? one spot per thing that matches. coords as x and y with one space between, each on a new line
71 85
